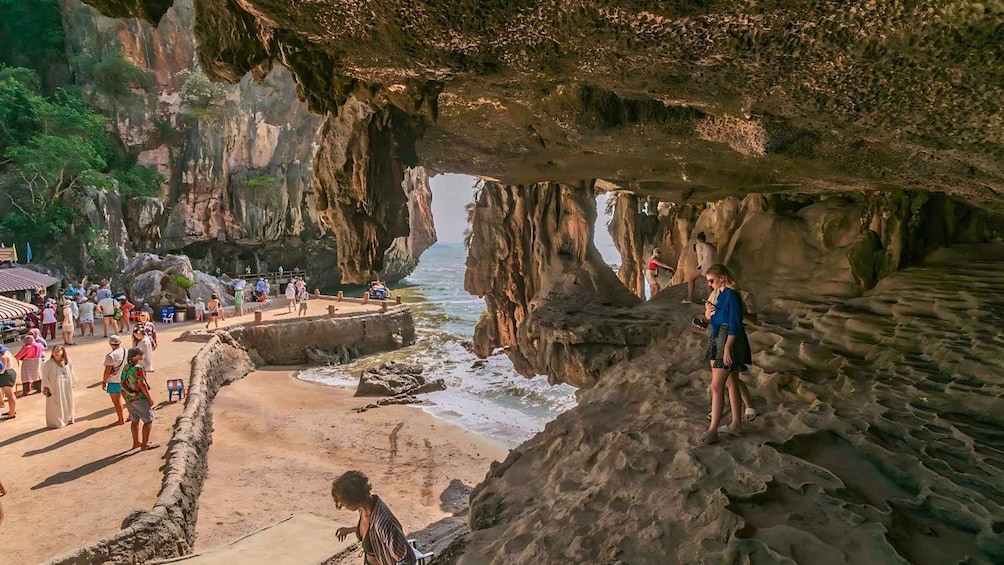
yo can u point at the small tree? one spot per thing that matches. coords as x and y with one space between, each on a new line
200 97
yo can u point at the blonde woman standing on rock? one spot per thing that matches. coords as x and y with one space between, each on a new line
728 352
57 386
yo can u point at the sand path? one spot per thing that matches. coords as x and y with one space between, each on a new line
74 485
278 442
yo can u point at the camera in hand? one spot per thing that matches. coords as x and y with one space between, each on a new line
699 323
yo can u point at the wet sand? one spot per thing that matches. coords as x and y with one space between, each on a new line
74 485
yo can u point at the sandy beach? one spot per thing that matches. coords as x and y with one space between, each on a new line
71 486
278 442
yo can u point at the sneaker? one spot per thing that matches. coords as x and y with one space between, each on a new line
685 301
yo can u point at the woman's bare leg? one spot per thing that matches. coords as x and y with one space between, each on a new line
117 403
735 402
718 380
8 391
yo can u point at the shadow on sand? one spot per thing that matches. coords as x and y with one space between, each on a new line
65 441
83 470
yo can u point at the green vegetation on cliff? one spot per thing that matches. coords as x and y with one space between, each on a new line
52 147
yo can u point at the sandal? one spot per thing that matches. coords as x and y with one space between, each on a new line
729 431
708 438
750 414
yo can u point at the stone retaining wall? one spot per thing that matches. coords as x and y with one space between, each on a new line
168 530
287 342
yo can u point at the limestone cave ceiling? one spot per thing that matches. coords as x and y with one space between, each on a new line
675 99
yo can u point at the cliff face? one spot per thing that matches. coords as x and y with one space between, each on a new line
254 178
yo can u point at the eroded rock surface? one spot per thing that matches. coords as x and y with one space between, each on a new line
684 100
879 423
533 260
837 245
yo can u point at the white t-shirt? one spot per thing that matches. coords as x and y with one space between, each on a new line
707 255
290 291
107 306
49 316
239 284
115 359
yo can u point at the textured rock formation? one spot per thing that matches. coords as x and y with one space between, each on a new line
838 245
533 260
879 441
402 257
694 100
242 188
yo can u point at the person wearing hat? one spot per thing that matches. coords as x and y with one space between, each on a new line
111 381
141 340
139 399
8 379
86 312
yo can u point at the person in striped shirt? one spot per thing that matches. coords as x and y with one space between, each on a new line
382 537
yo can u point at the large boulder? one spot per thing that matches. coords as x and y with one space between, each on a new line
157 288
169 264
392 379
207 285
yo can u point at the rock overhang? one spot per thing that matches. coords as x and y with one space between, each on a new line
679 100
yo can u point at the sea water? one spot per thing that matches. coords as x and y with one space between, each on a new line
486 396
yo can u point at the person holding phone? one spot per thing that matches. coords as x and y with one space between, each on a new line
728 352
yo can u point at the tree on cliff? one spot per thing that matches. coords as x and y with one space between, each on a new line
50 148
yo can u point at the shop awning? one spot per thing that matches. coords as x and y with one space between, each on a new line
17 278
11 309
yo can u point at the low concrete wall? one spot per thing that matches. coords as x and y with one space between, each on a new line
168 530
287 342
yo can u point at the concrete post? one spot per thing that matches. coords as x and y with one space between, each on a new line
398 299
257 316
317 293
341 296
383 306
366 298
331 310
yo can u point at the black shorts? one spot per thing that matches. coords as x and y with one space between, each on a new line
214 314
741 354
8 378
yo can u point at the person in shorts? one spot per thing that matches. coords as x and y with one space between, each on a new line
111 380
303 303
214 308
707 255
138 398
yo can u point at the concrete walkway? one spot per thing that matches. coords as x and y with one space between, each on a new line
303 539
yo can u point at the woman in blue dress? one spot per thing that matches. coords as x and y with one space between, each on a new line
728 352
